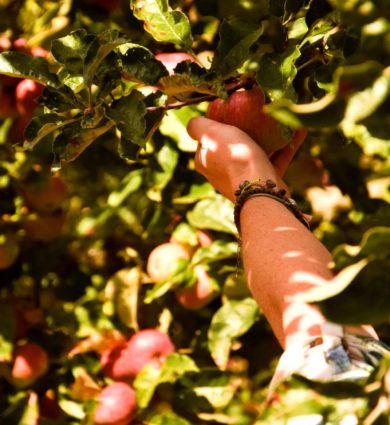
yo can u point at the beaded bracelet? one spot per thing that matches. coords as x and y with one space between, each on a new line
250 189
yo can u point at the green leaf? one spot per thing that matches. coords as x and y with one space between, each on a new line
231 321
43 125
277 72
197 192
128 113
175 366
20 65
125 284
218 250
203 215
167 419
236 38
130 184
60 100
98 50
365 300
162 23
139 64
71 50
161 169
7 331
70 145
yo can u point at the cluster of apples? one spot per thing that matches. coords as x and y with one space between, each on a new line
164 260
18 96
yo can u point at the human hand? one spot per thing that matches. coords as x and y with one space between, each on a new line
226 156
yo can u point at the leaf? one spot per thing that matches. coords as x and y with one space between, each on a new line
203 215
20 65
335 286
60 100
162 23
177 85
128 113
130 184
97 51
7 331
236 38
231 321
277 72
139 64
69 146
175 366
218 250
43 125
167 419
197 192
365 300
161 169
126 283
71 50
327 112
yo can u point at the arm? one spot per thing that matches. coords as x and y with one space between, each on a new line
281 257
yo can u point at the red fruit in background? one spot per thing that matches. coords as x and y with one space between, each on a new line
170 60
7 102
9 250
29 362
108 5
245 110
163 260
44 227
198 295
21 45
146 347
117 405
26 92
45 194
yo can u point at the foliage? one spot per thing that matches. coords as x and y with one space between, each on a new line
110 122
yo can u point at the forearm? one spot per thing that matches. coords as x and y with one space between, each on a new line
282 259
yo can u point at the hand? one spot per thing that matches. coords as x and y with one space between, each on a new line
226 156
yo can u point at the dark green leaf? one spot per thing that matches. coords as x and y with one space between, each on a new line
59 100
139 64
43 125
20 65
97 51
236 39
128 113
162 23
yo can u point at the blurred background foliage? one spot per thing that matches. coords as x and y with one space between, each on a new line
83 208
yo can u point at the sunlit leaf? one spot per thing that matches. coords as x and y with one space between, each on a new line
231 321
164 24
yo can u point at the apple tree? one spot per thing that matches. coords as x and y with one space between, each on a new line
122 296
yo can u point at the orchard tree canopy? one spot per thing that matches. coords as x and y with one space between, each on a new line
119 277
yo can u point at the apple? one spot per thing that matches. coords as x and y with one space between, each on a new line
245 110
163 260
44 227
198 295
45 194
171 60
21 45
26 92
29 362
146 347
9 250
117 405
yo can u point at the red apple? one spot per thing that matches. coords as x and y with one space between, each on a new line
46 194
29 362
21 45
117 405
146 347
7 102
163 260
199 294
9 250
245 110
26 92
170 60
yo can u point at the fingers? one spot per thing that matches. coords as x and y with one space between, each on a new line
282 158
